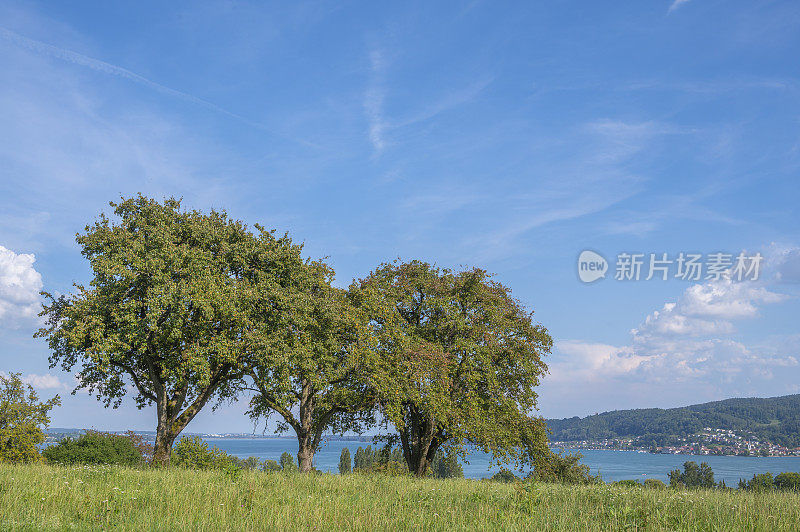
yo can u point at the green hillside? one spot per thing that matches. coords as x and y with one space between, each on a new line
773 419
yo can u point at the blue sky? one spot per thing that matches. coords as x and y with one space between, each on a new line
507 136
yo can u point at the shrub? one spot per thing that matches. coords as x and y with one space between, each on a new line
287 462
760 482
22 417
95 447
504 475
560 467
446 466
654 483
788 481
251 463
271 465
627 483
692 476
385 460
194 453
344 462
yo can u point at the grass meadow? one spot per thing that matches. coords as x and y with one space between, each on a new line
44 497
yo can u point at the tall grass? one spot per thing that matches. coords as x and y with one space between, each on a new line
42 497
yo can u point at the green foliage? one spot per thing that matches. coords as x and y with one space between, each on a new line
654 483
96 448
504 475
766 482
271 465
22 417
627 483
692 476
385 460
775 419
446 466
251 463
457 362
787 481
194 453
287 462
759 482
310 342
345 462
562 468
166 311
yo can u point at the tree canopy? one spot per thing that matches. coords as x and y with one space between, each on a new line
22 417
457 362
166 310
308 366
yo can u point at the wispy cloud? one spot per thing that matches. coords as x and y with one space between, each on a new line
676 4
373 101
113 70
449 101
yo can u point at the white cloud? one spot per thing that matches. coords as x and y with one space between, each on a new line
40 382
43 382
20 284
705 310
684 352
676 4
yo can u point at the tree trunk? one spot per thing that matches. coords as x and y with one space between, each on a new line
163 447
305 455
419 441
171 421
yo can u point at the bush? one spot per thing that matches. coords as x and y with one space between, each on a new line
194 453
788 481
504 475
627 483
96 448
564 468
386 460
344 462
654 483
692 476
22 417
271 465
446 466
760 482
251 463
287 462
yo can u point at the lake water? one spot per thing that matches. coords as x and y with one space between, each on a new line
612 465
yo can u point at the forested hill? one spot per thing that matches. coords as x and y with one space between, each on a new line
774 419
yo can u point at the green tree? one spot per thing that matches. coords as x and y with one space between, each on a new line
457 362
95 448
359 460
692 476
787 481
22 417
561 467
163 311
446 466
344 462
309 368
287 462
194 453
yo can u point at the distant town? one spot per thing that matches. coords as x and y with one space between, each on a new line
710 441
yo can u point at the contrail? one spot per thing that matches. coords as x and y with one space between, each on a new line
113 70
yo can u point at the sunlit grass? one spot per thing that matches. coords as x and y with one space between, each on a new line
44 497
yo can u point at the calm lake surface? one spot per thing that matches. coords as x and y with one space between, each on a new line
612 465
